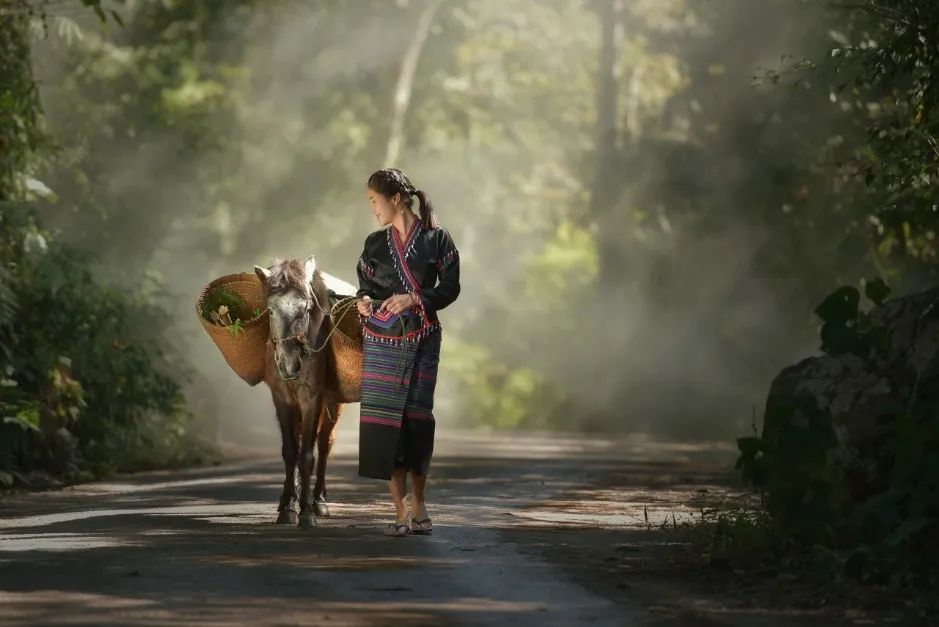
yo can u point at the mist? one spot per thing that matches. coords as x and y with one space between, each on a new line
650 298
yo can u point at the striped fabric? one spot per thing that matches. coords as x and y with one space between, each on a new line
398 382
399 374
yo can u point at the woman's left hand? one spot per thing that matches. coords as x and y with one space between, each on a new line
399 302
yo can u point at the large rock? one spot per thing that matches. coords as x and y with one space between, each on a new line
864 397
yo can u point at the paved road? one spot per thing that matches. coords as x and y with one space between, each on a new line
199 546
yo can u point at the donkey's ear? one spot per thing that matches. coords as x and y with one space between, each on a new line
309 266
263 273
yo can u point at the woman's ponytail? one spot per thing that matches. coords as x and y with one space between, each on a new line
428 216
391 181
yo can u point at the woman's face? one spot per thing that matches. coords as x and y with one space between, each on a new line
382 207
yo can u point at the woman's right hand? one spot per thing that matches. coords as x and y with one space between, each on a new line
365 306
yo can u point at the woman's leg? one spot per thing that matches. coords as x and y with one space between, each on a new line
419 419
420 520
399 494
398 487
417 483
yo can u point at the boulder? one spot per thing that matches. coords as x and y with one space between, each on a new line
862 398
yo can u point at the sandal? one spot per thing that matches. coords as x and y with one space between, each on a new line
397 529
420 527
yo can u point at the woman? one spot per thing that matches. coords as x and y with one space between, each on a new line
408 271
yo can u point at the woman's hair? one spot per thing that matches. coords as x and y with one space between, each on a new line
391 181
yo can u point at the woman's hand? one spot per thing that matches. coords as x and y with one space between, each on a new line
399 302
365 305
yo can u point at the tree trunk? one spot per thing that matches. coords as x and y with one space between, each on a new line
631 115
608 78
405 84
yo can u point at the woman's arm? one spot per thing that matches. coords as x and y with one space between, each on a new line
448 276
365 273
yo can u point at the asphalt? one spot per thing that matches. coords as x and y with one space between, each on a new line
198 546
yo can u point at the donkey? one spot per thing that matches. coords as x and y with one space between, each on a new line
297 295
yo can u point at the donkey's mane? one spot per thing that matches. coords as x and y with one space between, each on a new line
287 274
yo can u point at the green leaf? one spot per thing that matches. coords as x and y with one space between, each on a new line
21 422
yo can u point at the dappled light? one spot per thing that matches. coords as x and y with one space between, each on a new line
652 320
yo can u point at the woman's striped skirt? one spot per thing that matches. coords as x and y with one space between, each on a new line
397 407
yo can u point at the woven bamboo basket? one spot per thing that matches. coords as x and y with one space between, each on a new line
245 352
345 348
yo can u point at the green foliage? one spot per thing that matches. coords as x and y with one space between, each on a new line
20 132
507 397
881 73
564 268
210 123
795 468
84 388
739 536
101 12
237 312
218 296
848 330
876 290
236 328
222 121
148 102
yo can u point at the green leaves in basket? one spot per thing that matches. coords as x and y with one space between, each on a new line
218 296
228 309
236 328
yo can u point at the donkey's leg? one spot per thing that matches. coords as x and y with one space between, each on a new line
325 437
311 412
288 416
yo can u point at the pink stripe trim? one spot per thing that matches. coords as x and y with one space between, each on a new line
388 379
401 248
391 422
408 237
379 377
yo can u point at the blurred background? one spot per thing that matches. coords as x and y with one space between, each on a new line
649 198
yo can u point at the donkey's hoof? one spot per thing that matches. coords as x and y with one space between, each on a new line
320 508
307 519
287 517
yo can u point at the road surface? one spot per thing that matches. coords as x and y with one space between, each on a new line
528 530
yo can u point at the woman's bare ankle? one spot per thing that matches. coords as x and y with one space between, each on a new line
419 510
401 508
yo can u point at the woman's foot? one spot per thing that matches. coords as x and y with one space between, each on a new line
397 528
420 522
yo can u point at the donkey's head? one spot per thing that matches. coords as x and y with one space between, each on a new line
288 288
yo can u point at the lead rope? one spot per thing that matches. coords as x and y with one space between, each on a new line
403 362
405 356
344 307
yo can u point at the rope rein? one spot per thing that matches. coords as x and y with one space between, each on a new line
302 337
341 309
